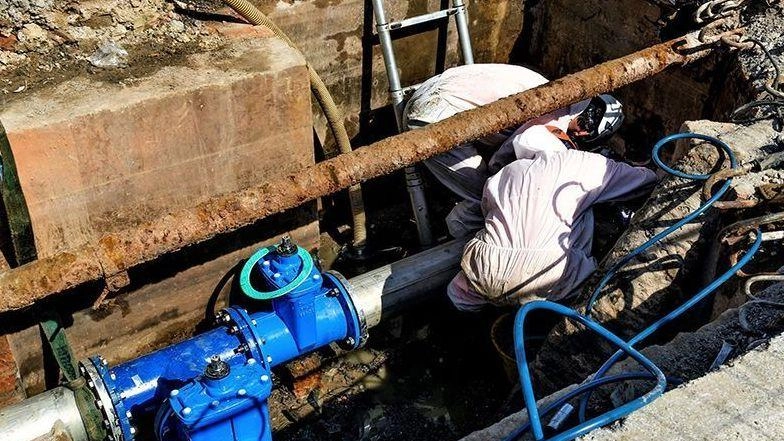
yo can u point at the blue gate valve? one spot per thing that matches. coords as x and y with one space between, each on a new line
215 386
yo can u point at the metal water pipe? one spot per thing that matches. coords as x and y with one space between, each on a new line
110 258
215 385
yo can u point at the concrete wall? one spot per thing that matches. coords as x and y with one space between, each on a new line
99 150
41 40
336 38
95 157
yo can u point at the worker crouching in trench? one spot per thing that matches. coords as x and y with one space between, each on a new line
529 205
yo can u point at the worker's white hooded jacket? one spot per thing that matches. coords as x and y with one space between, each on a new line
536 240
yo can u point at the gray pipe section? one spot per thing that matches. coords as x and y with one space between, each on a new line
384 291
378 293
50 415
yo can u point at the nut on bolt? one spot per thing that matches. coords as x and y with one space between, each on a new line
286 247
216 369
222 317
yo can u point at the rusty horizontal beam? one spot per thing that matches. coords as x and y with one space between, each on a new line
110 257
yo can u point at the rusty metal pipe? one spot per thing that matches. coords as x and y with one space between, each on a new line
111 256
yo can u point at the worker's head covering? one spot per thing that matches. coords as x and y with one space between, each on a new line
601 119
578 108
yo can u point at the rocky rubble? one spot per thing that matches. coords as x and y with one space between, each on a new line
763 22
41 39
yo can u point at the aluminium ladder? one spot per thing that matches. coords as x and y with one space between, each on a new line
397 93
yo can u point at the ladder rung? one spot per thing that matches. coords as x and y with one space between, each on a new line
413 21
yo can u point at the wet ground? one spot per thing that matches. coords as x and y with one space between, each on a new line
442 379
432 374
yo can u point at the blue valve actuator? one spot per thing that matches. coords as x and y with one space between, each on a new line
230 408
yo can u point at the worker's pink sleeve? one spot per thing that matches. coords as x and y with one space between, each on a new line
619 181
534 140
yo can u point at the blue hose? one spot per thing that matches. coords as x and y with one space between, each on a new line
655 154
587 387
624 347
525 376
655 326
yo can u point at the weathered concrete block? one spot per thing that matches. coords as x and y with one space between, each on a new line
95 157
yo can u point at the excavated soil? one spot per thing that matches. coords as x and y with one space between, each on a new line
44 42
764 23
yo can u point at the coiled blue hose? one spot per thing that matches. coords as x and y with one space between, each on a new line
525 376
655 326
655 155
598 379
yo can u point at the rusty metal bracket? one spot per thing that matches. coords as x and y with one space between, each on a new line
710 37
707 188
736 41
768 193
733 233
772 193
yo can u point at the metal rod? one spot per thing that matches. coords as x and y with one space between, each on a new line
419 19
416 194
416 191
390 62
461 20
115 253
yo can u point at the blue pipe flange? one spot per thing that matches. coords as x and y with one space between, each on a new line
93 369
358 328
308 310
242 324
